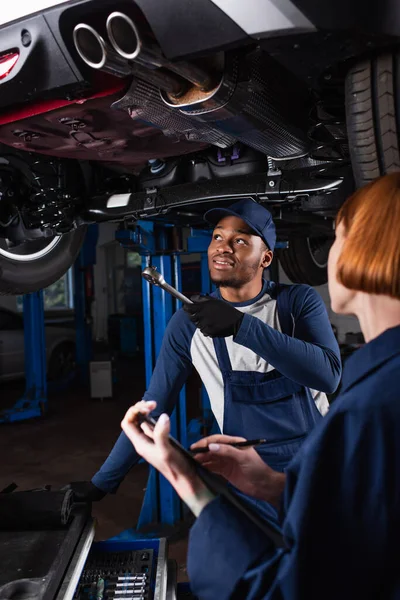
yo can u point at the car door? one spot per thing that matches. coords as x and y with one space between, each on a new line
11 345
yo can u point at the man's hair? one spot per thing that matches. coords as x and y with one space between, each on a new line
370 258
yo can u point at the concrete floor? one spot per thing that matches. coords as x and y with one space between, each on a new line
71 443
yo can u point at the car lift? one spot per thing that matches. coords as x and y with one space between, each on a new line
34 402
161 506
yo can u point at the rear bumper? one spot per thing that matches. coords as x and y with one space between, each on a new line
49 67
45 68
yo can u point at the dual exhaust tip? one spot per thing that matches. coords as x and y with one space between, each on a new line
96 52
128 54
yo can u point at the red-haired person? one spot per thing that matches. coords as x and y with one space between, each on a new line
340 495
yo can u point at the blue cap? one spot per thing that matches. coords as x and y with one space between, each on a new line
258 218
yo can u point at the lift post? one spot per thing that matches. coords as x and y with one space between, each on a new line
161 505
34 401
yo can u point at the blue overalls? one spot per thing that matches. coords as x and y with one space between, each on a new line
267 405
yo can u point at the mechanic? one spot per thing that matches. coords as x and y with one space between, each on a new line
340 496
266 353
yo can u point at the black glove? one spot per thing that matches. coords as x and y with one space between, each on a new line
85 491
214 318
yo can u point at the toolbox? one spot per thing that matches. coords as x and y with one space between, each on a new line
130 570
47 552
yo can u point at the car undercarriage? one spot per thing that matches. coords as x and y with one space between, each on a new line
110 113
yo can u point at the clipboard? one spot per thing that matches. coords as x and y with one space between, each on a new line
219 487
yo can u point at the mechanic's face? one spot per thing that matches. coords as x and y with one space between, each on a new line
235 255
342 298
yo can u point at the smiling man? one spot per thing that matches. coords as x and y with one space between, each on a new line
266 353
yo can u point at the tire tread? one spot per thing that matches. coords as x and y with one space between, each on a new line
372 119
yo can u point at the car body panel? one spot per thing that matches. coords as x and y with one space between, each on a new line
12 355
17 9
264 18
203 27
107 135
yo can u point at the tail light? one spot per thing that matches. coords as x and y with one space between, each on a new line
7 63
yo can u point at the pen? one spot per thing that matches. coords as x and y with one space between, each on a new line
246 444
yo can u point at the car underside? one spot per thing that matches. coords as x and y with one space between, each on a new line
122 111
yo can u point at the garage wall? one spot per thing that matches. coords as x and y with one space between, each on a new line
9 302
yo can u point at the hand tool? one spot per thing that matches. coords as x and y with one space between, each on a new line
151 275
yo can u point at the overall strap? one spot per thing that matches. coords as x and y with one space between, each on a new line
285 319
284 309
221 351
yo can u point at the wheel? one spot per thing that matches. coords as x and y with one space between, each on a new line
306 259
372 114
62 362
38 240
37 264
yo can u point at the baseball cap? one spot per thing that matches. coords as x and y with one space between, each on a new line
258 218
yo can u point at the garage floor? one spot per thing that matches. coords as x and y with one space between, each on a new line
71 443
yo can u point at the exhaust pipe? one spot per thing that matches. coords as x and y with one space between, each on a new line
127 42
96 53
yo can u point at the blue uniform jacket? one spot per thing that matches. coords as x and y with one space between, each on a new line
341 504
310 358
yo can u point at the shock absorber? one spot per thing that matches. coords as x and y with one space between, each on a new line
328 131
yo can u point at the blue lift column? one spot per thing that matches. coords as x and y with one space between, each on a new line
198 243
161 505
34 401
181 413
170 505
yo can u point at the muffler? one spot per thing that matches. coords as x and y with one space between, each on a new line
254 101
98 54
251 101
127 42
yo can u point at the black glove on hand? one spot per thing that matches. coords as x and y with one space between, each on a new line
214 318
85 491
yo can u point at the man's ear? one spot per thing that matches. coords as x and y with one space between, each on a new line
267 258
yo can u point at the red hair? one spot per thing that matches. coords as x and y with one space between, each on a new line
370 258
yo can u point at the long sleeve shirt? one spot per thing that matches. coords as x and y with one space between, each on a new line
310 357
341 504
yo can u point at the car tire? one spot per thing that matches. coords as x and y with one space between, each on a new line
38 268
306 260
372 115
62 363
